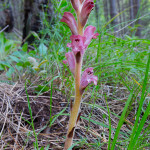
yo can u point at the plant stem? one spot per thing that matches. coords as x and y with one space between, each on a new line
75 110
80 27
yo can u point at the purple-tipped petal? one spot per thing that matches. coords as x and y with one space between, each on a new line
69 19
77 44
89 34
70 61
77 4
85 11
87 77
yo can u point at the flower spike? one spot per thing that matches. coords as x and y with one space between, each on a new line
85 11
89 34
80 40
69 19
87 77
70 61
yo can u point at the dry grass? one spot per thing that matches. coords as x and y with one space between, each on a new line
17 134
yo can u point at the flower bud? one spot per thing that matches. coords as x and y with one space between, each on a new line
89 34
70 61
69 19
85 11
87 77
77 4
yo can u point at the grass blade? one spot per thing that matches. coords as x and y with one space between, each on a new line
133 139
32 124
142 122
122 118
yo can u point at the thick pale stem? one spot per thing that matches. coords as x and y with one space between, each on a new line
80 27
75 109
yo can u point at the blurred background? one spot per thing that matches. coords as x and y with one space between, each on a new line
121 17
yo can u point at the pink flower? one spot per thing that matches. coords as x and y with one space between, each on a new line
77 4
69 19
85 11
77 44
80 43
89 34
70 61
87 77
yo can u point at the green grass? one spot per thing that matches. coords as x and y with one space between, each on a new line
32 123
121 121
138 126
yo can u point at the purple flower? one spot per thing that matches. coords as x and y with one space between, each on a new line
69 19
89 34
77 44
77 4
87 77
85 11
70 61
80 43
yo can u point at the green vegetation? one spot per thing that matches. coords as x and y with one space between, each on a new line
115 114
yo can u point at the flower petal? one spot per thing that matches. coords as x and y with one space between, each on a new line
69 45
77 44
65 61
87 77
70 61
85 11
69 19
95 35
89 34
77 4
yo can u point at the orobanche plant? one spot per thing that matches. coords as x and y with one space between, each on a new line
80 39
